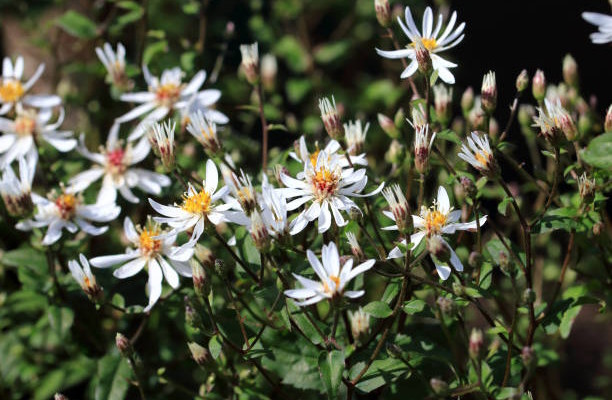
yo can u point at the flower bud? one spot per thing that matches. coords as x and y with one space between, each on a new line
422 146
476 342
443 98
608 122
438 386
354 135
259 232
164 142
586 188
538 85
191 316
250 62
360 325
355 247
205 256
527 355
526 112
383 12
467 100
200 354
570 70
123 345
488 93
399 207
419 120
529 296
399 118
438 248
423 57
331 118
585 123
493 127
388 126
598 228
522 81
201 283
269 69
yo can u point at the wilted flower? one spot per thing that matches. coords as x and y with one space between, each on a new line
114 163
16 192
250 61
586 188
114 62
488 93
438 220
154 249
333 277
331 118
603 23
205 131
355 247
433 39
355 135
478 153
84 277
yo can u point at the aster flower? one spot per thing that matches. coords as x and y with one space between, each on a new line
325 185
205 131
241 194
67 210
478 153
198 206
153 249
398 206
166 94
433 39
330 117
603 23
553 119
28 127
114 62
440 219
114 163
16 192
13 90
302 155
333 277
355 135
161 137
84 277
274 211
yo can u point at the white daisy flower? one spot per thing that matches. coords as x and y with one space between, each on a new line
13 90
114 62
438 220
197 206
274 211
478 153
603 23
205 131
326 185
67 210
166 94
16 192
84 277
433 39
333 278
114 163
154 250
29 126
303 156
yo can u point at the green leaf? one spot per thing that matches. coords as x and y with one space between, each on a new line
381 372
448 135
568 320
153 49
331 366
297 89
60 319
112 378
332 51
378 309
502 207
599 152
302 322
296 57
77 24
214 346
414 306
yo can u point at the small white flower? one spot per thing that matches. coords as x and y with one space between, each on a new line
166 94
153 249
14 91
20 135
114 62
67 210
114 163
398 207
161 138
198 206
478 153
355 135
603 23
438 220
325 185
434 40
205 131
302 155
84 277
333 278
16 192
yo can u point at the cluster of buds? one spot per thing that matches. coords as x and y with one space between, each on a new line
538 85
354 135
269 69
398 204
443 98
383 12
331 118
161 137
488 93
205 131
360 324
586 188
355 247
250 62
522 81
422 147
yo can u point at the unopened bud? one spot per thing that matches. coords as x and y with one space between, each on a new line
493 127
446 305
467 100
360 325
200 354
164 142
383 12
586 188
388 126
570 70
468 186
423 57
488 93
331 118
355 135
123 345
201 282
250 62
439 386
269 69
527 355
422 145
538 85
355 247
443 98
395 153
529 296
399 118
205 256
399 207
522 81
476 342
437 248
585 123
608 122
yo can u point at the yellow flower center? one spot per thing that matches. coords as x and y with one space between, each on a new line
24 125
168 94
313 157
197 202
336 281
149 246
66 203
325 183
428 43
434 221
87 282
482 157
11 91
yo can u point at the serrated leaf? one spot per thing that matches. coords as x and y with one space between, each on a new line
378 309
78 25
414 306
331 365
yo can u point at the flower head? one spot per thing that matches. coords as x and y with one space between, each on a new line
333 277
443 102
84 277
16 192
331 117
399 210
488 93
422 147
164 142
205 131
250 61
433 39
114 62
355 135
478 153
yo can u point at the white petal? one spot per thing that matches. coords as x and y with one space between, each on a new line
154 284
109 261
169 273
131 268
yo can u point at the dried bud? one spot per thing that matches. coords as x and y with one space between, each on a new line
475 260
438 248
439 386
529 296
476 342
383 12
164 142
269 69
205 256
423 57
488 93
360 324
446 305
570 70
538 85
468 186
388 126
123 345
522 81
586 187
355 247
422 146
608 122
399 207
527 355
250 62
467 100
331 118
259 232
200 354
